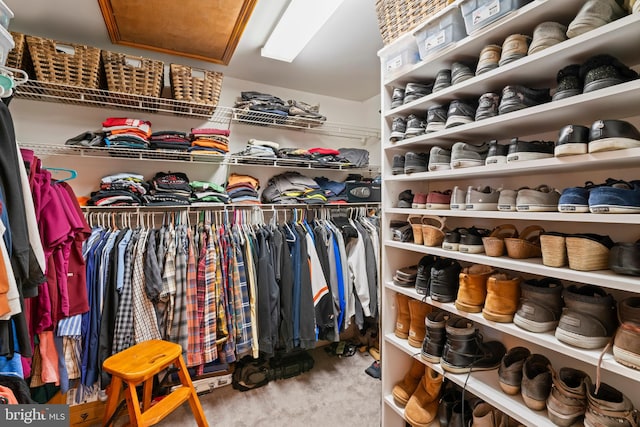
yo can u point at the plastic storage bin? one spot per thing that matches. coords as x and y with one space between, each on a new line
6 15
480 13
6 45
440 32
400 59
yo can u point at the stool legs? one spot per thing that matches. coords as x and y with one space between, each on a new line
113 399
194 402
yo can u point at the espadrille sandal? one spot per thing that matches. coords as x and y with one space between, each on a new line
588 251
432 230
416 227
494 242
527 245
554 249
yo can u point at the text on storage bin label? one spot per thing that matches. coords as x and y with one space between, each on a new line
486 12
435 40
395 62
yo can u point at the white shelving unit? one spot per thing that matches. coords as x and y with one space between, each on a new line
538 122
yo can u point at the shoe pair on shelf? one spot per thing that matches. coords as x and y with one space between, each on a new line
612 196
604 135
411 92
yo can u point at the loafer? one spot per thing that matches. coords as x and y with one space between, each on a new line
569 82
540 199
460 72
547 34
514 47
517 97
497 153
439 159
460 112
489 58
464 155
510 370
602 71
482 198
442 81
609 135
458 199
529 150
436 118
397 165
398 128
487 106
536 381
415 126
397 97
624 258
615 197
594 14
573 139
415 162
413 91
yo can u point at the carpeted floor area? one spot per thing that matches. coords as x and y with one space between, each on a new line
336 392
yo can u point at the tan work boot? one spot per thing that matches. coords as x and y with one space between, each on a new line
473 288
403 390
418 311
503 296
422 407
403 319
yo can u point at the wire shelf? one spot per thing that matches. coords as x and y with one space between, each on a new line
66 94
166 155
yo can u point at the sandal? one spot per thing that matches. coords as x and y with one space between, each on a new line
494 242
432 230
527 245
416 227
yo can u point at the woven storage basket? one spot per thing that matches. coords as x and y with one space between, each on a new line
432 230
133 74
196 86
396 17
65 63
16 55
554 249
585 254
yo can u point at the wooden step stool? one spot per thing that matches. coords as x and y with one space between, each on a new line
139 364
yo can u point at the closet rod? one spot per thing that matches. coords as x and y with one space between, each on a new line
199 208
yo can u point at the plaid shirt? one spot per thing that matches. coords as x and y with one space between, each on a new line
252 281
122 336
179 331
242 309
229 346
169 279
145 325
209 349
194 322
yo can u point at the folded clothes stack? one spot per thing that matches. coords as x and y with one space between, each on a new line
169 140
334 191
126 133
304 110
293 187
208 192
262 102
169 189
243 189
122 189
259 148
209 141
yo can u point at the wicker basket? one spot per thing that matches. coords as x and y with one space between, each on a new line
396 17
196 86
133 74
65 63
16 55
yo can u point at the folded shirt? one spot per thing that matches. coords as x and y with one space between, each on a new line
210 131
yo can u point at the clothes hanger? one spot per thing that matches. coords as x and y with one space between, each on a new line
72 173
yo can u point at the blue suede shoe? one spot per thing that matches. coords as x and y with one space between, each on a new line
619 197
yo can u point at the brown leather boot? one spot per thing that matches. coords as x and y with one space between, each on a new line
403 390
403 319
422 407
473 288
418 311
503 296
626 344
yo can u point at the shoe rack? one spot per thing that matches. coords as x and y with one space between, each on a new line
541 122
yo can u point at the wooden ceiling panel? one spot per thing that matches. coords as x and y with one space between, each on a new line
208 30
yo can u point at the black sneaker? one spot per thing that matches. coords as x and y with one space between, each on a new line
518 97
424 274
487 106
460 112
445 280
413 91
443 80
603 71
573 139
497 153
460 72
415 126
405 199
397 166
569 82
416 162
398 128
397 98
436 118
529 150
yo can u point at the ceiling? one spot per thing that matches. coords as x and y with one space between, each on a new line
341 61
